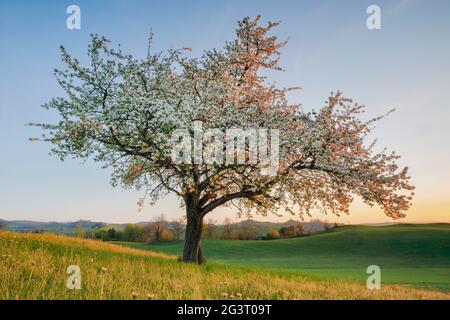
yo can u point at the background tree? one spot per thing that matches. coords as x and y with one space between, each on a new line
272 235
227 228
178 227
111 233
79 232
210 228
159 225
166 235
89 234
40 230
122 111
287 232
132 233
247 232
315 226
98 234
147 232
299 229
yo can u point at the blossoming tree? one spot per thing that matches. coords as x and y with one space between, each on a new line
122 112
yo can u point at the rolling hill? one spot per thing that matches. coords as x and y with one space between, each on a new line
417 255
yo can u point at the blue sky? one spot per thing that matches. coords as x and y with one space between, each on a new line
404 65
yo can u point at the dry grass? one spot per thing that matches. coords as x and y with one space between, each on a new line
34 267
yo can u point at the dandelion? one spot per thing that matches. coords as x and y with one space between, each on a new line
103 271
151 296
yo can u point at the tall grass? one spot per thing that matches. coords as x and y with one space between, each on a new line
34 267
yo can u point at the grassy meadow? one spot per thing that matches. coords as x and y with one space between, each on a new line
33 266
417 255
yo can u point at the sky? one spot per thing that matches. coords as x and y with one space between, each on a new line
405 65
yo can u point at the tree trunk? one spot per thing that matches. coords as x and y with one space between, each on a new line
192 250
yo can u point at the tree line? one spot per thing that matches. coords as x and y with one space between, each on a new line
158 230
162 230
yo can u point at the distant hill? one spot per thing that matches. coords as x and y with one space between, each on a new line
53 227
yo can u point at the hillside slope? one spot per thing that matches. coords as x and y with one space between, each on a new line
34 267
411 254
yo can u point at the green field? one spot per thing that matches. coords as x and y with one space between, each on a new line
417 255
34 266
